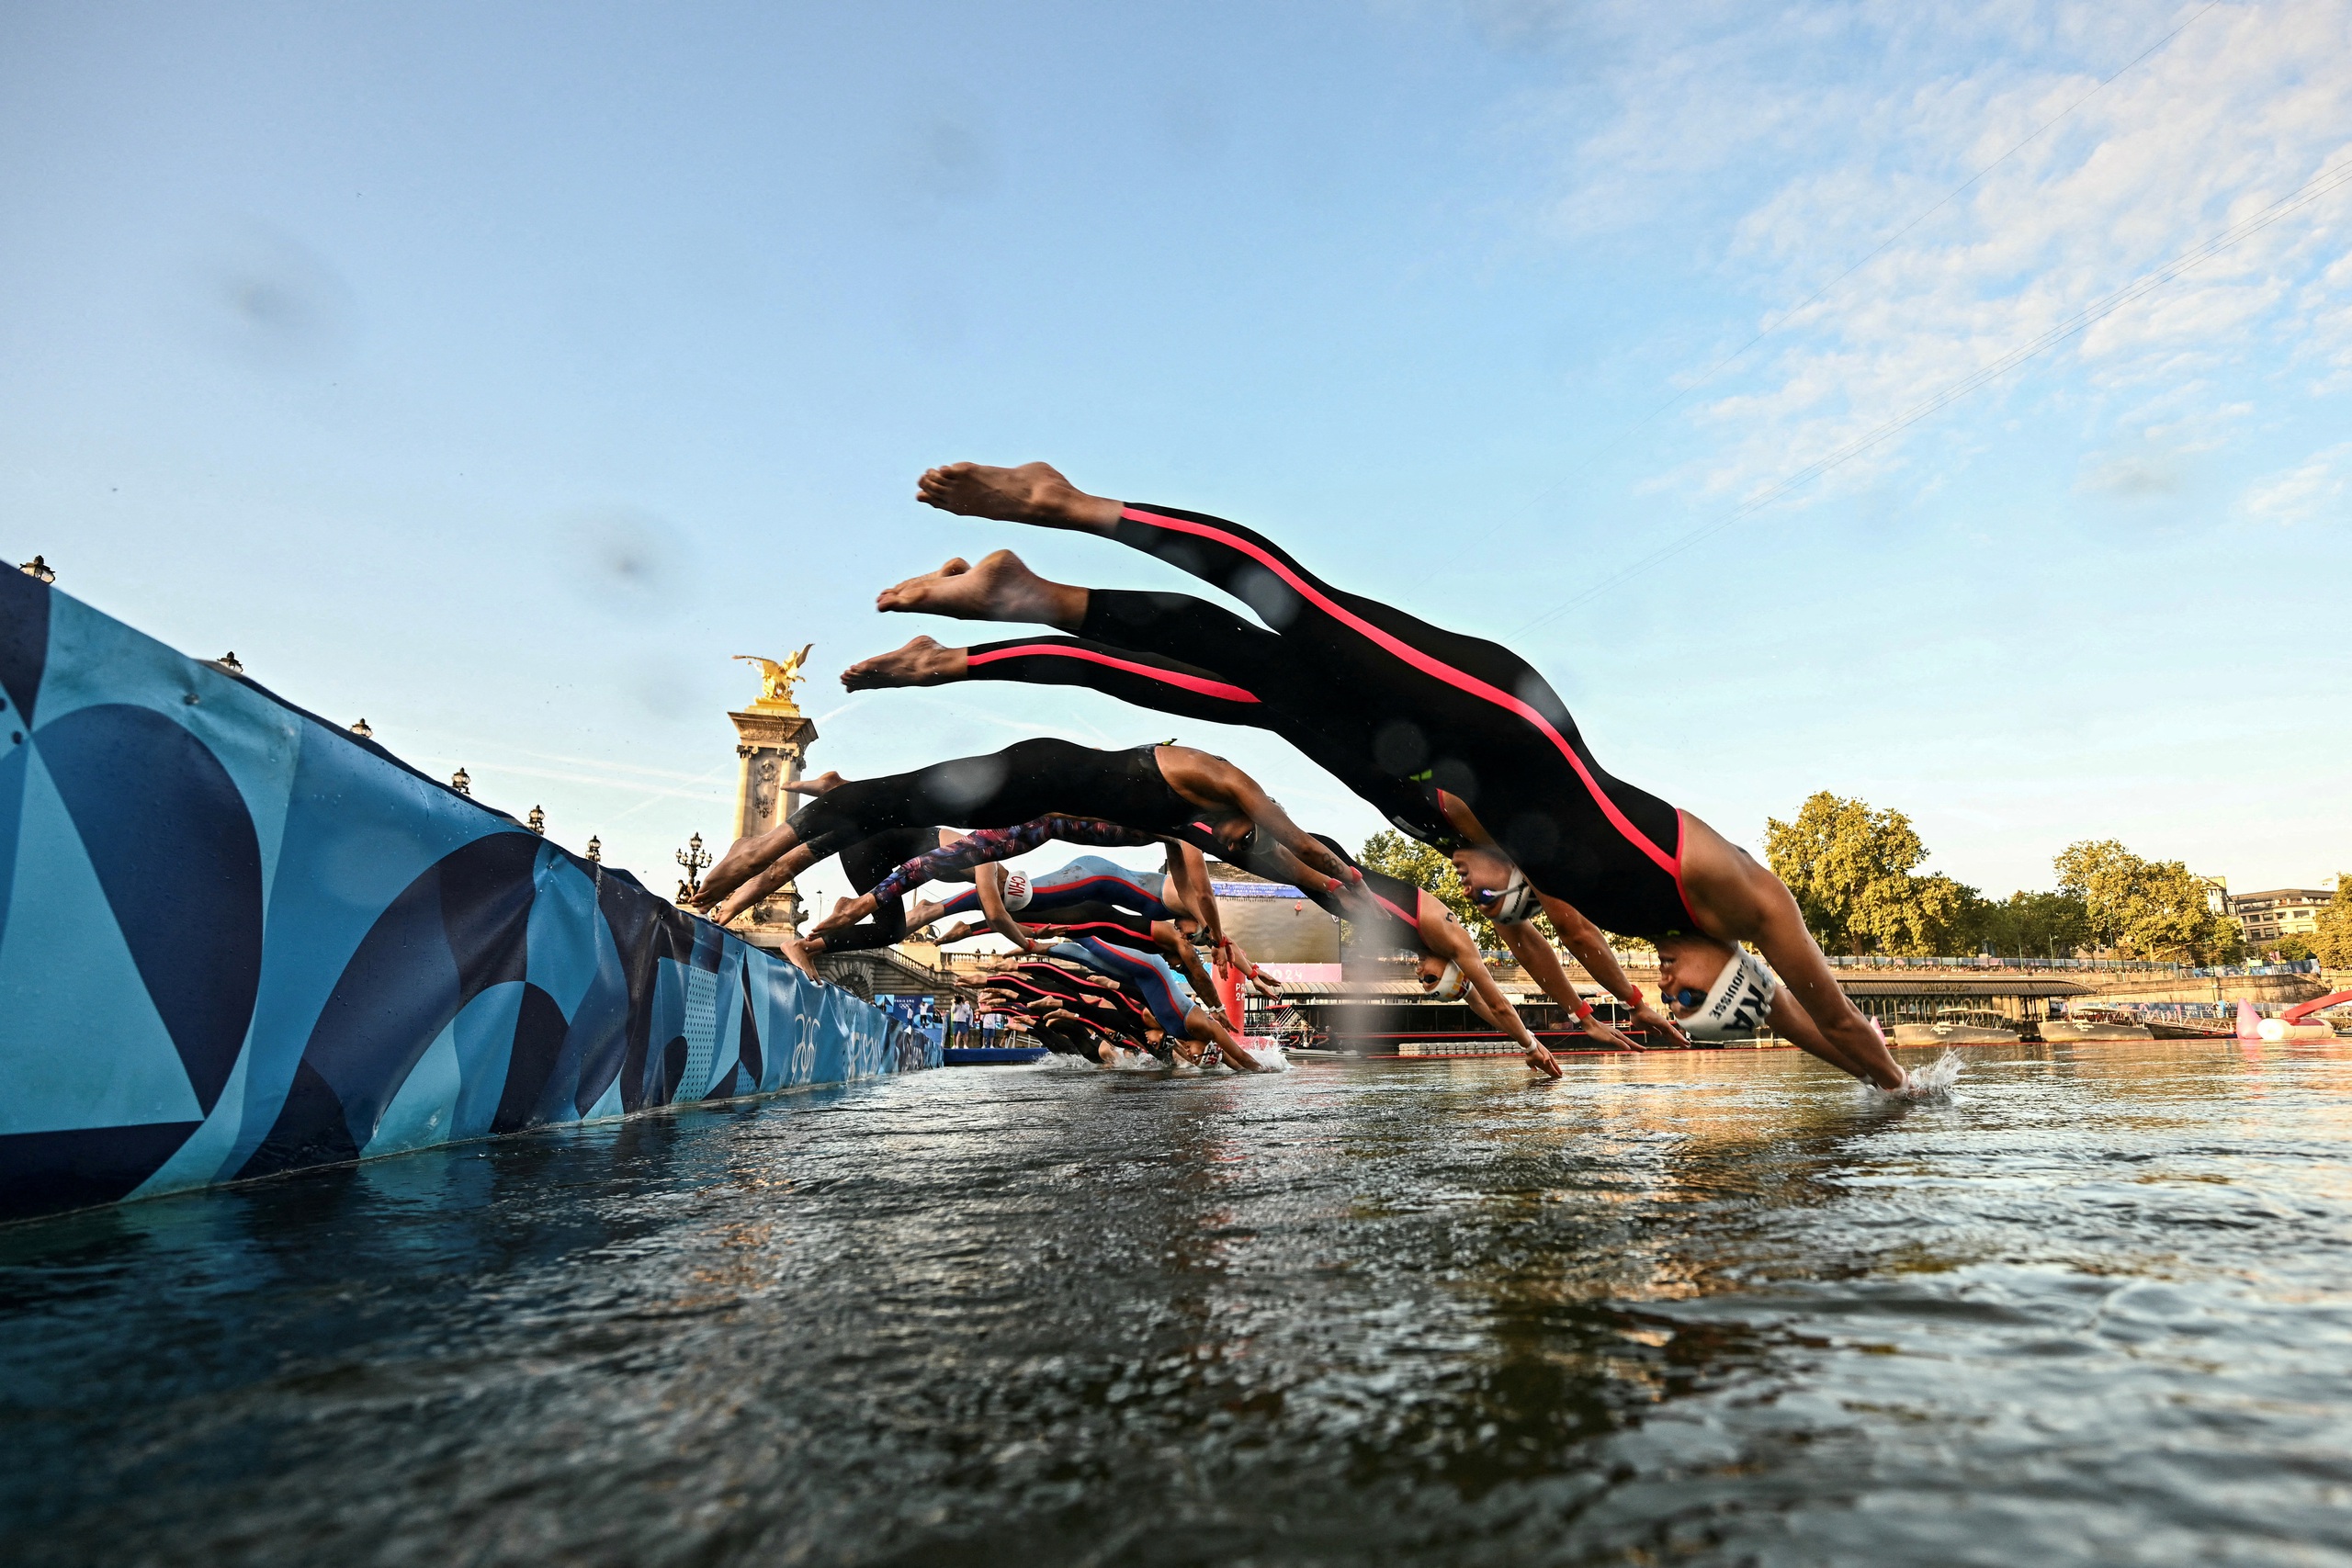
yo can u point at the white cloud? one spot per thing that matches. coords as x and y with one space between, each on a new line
2316 490
2247 104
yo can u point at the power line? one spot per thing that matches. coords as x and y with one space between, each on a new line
2089 315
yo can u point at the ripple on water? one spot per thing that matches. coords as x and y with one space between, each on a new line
1714 1307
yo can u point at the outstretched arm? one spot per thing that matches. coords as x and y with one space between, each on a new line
1203 1026
1171 940
1540 959
1449 940
1791 1022
1737 899
1272 819
1583 938
1188 877
1214 783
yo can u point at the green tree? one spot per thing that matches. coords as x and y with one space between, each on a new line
2332 941
2040 925
2148 908
1408 859
1852 871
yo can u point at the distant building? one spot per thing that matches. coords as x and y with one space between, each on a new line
2281 912
2217 894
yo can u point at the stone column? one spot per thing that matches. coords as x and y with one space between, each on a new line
772 745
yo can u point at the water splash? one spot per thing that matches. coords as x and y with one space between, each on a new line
1933 1082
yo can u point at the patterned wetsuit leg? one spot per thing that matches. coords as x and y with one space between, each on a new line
954 861
1089 878
866 864
1489 726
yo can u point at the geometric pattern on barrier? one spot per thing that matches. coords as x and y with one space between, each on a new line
237 940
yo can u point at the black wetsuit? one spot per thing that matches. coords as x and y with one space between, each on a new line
1110 657
1390 705
1400 902
866 864
1029 779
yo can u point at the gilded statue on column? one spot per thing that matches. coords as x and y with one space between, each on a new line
777 678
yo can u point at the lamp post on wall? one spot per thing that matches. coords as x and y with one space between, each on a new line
463 782
536 822
595 850
695 859
37 568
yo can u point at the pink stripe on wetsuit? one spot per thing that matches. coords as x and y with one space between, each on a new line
1580 834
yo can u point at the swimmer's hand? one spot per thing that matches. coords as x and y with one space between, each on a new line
1650 1017
1599 1028
1542 1062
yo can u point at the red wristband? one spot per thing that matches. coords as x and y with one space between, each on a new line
1584 1010
1636 1000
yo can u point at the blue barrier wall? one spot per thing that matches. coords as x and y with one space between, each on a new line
238 940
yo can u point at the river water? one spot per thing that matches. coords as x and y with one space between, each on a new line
1706 1307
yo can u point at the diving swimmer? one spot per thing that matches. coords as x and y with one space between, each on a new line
1476 729
1344 742
1170 791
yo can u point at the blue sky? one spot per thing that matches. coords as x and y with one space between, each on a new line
496 372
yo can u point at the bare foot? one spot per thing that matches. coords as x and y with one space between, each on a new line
1030 493
799 956
823 783
922 662
744 858
846 912
998 589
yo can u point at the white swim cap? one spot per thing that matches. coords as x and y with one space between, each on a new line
1449 985
1516 902
1737 1003
1016 890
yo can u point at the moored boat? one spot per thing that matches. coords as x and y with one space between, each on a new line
2094 1023
1958 1026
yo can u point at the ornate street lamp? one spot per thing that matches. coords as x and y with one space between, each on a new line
595 850
695 859
463 782
361 730
37 568
536 822
229 661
